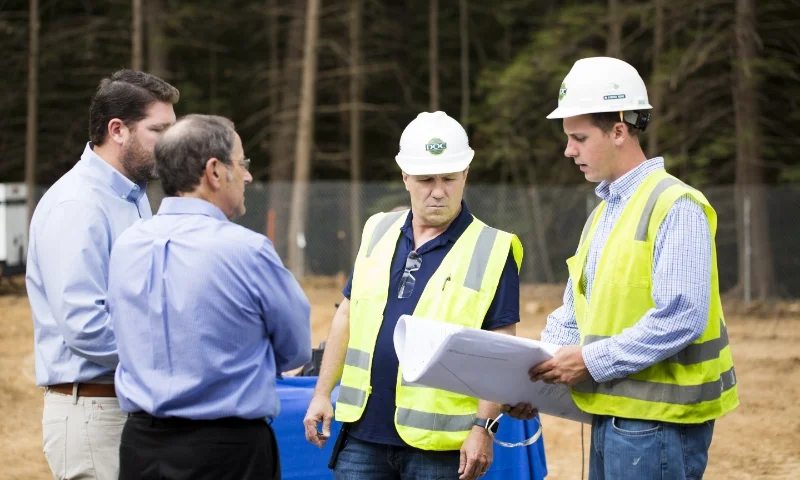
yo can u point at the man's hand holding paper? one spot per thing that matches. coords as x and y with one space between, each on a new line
567 366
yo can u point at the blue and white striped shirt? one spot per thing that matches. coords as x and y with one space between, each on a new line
205 314
681 286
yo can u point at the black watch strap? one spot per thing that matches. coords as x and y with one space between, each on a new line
490 424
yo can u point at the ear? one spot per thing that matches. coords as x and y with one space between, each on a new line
619 133
118 132
214 173
466 171
405 181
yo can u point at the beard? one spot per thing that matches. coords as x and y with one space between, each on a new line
139 163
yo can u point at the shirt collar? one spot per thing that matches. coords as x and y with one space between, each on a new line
102 171
190 206
623 187
453 232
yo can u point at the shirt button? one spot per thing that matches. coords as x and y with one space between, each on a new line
122 196
136 187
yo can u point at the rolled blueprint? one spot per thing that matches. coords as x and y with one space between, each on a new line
478 363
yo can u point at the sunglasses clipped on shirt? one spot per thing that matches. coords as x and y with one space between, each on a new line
413 263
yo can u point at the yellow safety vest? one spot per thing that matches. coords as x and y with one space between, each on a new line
694 385
460 291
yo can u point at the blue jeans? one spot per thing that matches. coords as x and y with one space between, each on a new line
625 449
372 461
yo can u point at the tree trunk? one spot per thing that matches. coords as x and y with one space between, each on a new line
463 11
749 170
33 103
273 86
614 45
356 93
136 35
305 139
284 122
433 54
157 48
274 63
657 83
212 78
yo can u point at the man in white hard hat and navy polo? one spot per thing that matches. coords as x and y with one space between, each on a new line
646 348
434 261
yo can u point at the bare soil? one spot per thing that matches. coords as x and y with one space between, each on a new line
760 439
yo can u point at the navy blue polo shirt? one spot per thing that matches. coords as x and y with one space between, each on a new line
377 422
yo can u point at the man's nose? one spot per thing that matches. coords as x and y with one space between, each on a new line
438 191
570 151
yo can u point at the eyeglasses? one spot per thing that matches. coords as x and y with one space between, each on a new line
246 163
413 262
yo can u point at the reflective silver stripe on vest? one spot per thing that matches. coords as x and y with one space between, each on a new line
352 396
644 221
357 358
480 258
382 227
434 422
702 352
588 224
662 392
693 353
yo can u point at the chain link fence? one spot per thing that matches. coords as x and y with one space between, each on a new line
548 221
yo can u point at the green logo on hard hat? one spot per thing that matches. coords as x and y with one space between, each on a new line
435 146
562 92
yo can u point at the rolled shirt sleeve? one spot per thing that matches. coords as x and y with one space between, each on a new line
562 325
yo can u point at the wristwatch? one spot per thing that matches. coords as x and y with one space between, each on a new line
490 424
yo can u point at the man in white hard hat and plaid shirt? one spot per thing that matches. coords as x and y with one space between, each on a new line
645 343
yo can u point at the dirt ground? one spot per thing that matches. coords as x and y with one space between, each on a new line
760 439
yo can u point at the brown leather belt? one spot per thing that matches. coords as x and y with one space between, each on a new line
86 389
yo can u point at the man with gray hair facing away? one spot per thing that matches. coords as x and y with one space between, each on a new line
206 317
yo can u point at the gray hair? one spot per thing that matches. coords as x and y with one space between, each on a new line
183 151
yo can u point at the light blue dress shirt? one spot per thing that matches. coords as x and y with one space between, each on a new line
681 286
72 231
205 314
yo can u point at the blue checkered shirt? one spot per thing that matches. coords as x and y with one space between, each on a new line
681 281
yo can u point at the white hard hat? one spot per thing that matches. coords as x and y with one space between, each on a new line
600 84
434 144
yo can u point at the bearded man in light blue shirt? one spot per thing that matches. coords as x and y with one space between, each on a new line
72 232
206 317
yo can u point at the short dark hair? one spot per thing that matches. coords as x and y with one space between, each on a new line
605 121
183 151
126 95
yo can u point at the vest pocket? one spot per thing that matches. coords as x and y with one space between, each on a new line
629 263
467 307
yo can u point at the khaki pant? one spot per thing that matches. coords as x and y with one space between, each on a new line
81 436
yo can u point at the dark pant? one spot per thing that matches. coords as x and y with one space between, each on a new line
645 450
178 449
371 461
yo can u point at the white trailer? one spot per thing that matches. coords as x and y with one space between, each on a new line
13 228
